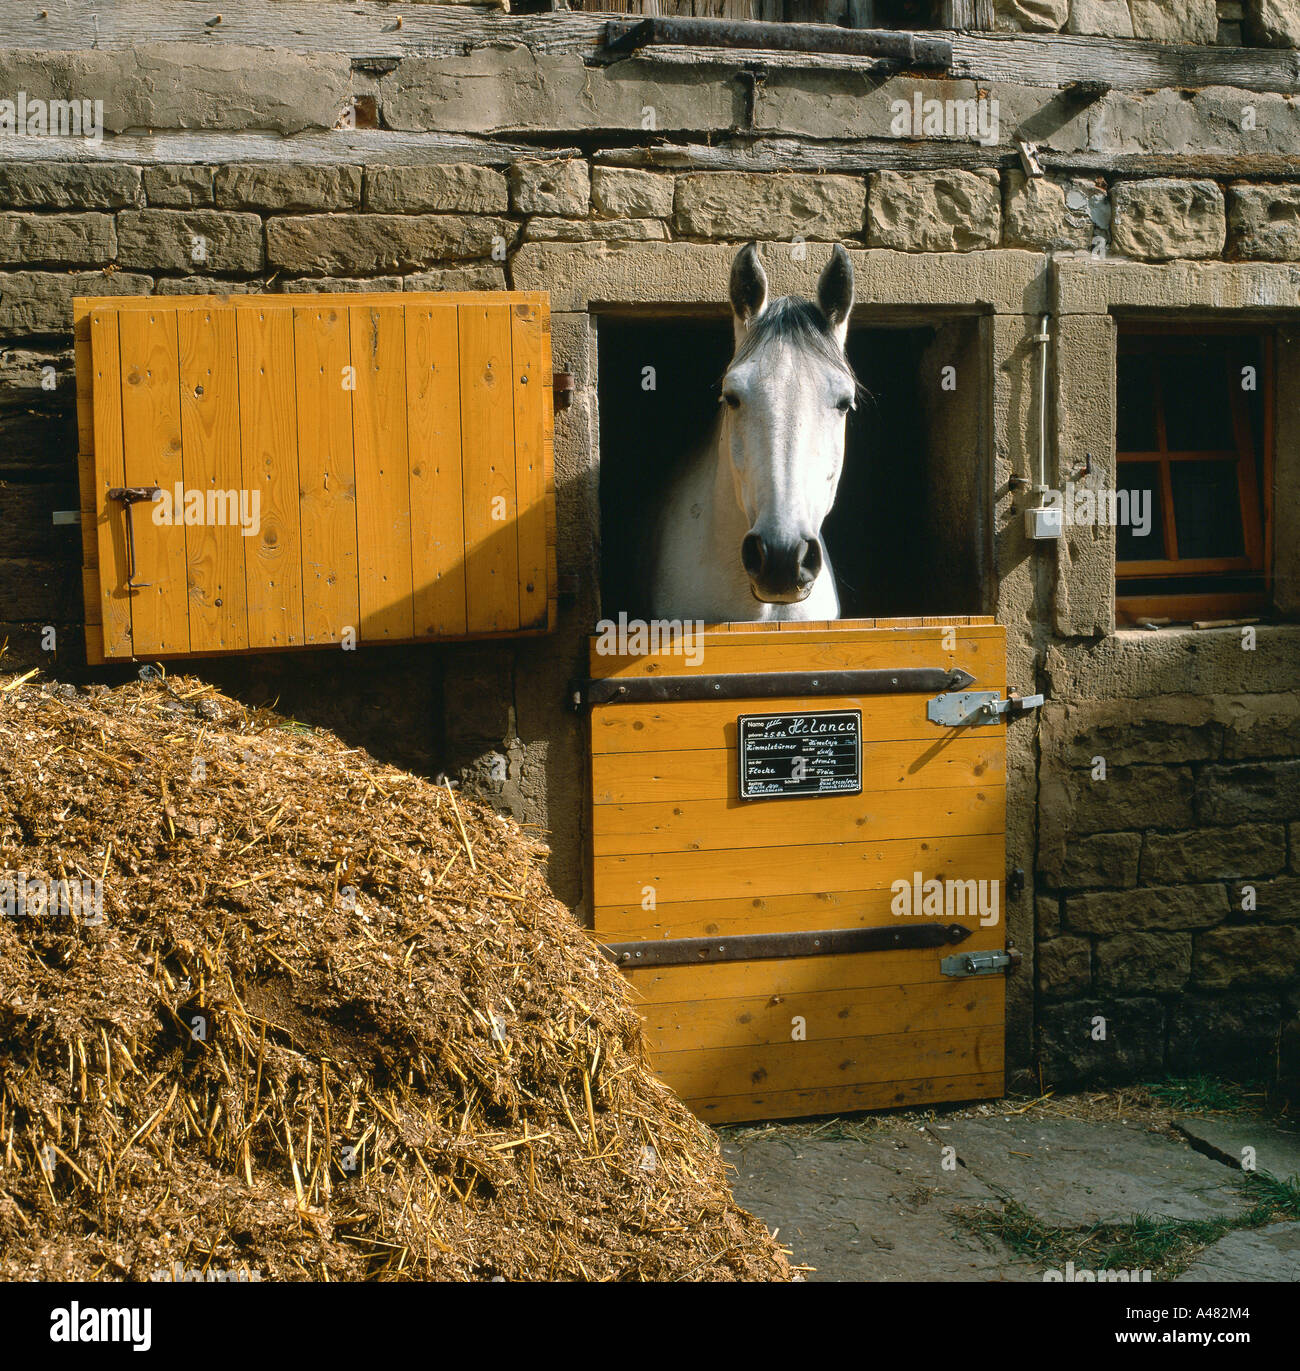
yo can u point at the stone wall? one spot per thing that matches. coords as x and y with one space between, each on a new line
490 163
1266 23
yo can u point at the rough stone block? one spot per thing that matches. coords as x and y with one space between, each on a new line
190 85
495 90
1047 916
178 187
556 186
1264 221
342 285
1133 797
1064 967
1250 790
1276 901
1035 215
1105 18
1232 1034
478 688
457 278
743 204
1175 21
1148 909
1031 16
1273 23
57 239
934 211
361 244
205 285
625 193
1264 730
1240 955
39 302
1127 1044
1100 861
1213 854
187 240
69 185
451 188
544 229
287 189
1144 963
1162 219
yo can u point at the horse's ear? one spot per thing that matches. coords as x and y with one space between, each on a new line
748 285
835 292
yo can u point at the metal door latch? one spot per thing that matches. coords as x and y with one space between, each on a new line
980 963
975 708
133 495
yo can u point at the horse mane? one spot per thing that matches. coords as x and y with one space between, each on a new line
793 319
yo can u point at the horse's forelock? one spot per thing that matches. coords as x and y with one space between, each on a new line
792 319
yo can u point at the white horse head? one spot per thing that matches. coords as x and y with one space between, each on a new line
788 390
739 536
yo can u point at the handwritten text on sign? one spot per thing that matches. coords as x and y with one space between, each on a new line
783 755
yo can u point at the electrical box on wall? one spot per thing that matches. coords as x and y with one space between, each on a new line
267 472
1043 523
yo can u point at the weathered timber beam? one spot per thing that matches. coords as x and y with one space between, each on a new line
876 154
370 31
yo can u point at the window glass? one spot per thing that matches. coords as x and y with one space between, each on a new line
1141 480
1207 509
1198 409
1135 404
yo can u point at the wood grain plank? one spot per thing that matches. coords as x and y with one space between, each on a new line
707 875
530 397
875 815
382 472
151 429
110 472
433 388
801 912
487 445
848 647
757 1020
268 425
847 1099
710 774
670 728
886 1057
209 382
326 473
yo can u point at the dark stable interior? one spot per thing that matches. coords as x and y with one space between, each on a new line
874 533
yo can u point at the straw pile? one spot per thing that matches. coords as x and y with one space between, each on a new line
332 1024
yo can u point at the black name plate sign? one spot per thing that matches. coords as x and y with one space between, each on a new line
783 755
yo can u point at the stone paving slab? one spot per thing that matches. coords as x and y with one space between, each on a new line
1258 1254
873 1210
1277 1150
1068 1172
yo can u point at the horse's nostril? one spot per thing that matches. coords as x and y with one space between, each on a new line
810 558
752 554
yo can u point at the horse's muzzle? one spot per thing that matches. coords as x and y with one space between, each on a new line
781 573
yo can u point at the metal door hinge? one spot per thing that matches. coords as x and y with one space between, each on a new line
980 963
976 708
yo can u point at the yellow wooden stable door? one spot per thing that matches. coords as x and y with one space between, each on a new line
265 472
688 875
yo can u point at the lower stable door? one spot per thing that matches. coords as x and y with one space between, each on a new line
798 883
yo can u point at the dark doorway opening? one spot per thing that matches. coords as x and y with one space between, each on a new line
658 396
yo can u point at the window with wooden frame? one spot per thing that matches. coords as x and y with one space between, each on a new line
1193 440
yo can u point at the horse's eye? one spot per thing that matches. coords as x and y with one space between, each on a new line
844 405
731 399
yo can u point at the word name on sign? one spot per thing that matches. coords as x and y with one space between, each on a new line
786 755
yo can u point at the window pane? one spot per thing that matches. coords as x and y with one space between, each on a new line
1140 536
1198 412
1135 418
1207 510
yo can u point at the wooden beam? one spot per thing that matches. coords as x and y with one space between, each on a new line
369 32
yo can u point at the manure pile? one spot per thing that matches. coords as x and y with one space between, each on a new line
331 1023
